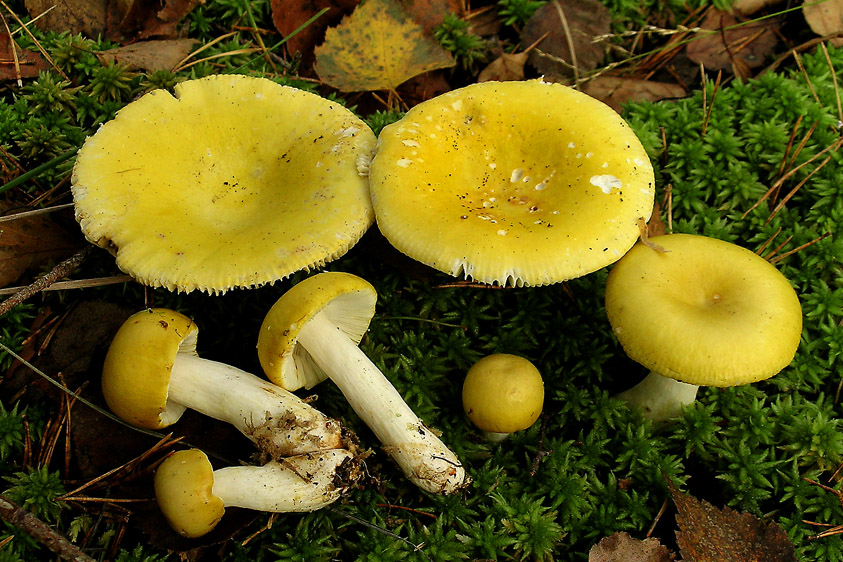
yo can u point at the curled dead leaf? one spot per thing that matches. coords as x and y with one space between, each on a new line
825 18
616 90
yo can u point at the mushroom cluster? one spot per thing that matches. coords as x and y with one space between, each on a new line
152 374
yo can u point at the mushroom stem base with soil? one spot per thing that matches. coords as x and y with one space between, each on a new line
422 456
279 422
659 397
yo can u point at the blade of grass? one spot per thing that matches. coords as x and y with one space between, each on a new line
34 172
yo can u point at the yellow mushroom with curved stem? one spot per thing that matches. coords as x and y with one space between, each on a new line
312 332
152 374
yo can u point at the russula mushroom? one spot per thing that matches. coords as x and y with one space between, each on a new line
700 312
312 332
234 181
193 496
511 183
502 393
152 374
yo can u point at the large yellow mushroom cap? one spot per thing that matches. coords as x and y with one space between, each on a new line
184 490
137 367
706 312
233 182
513 183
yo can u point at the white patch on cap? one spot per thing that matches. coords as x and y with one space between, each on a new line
348 131
457 105
409 142
501 232
606 183
404 162
572 145
517 174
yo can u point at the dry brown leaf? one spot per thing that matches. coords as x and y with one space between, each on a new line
739 49
615 90
289 15
377 47
31 242
621 547
825 18
117 20
586 20
430 13
150 56
749 7
29 63
505 67
90 17
146 19
709 534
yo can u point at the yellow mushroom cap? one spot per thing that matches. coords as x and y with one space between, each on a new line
503 393
513 183
347 300
137 367
235 181
183 488
706 312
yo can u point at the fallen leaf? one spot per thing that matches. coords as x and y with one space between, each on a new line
377 47
709 534
429 14
505 67
739 48
29 63
749 7
586 19
31 242
150 56
289 15
621 547
89 17
117 20
146 19
825 18
616 91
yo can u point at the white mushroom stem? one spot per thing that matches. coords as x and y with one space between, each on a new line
422 456
300 483
279 422
659 397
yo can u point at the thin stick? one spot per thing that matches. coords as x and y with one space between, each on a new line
769 241
570 40
14 49
784 178
75 284
789 145
34 212
802 247
834 81
41 532
61 270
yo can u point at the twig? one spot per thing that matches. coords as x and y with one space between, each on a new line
61 270
75 284
40 531
34 212
568 39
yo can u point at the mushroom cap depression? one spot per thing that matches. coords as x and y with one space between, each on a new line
512 183
234 181
184 489
347 300
706 312
503 393
137 367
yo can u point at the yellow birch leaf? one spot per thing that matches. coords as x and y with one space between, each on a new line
377 47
